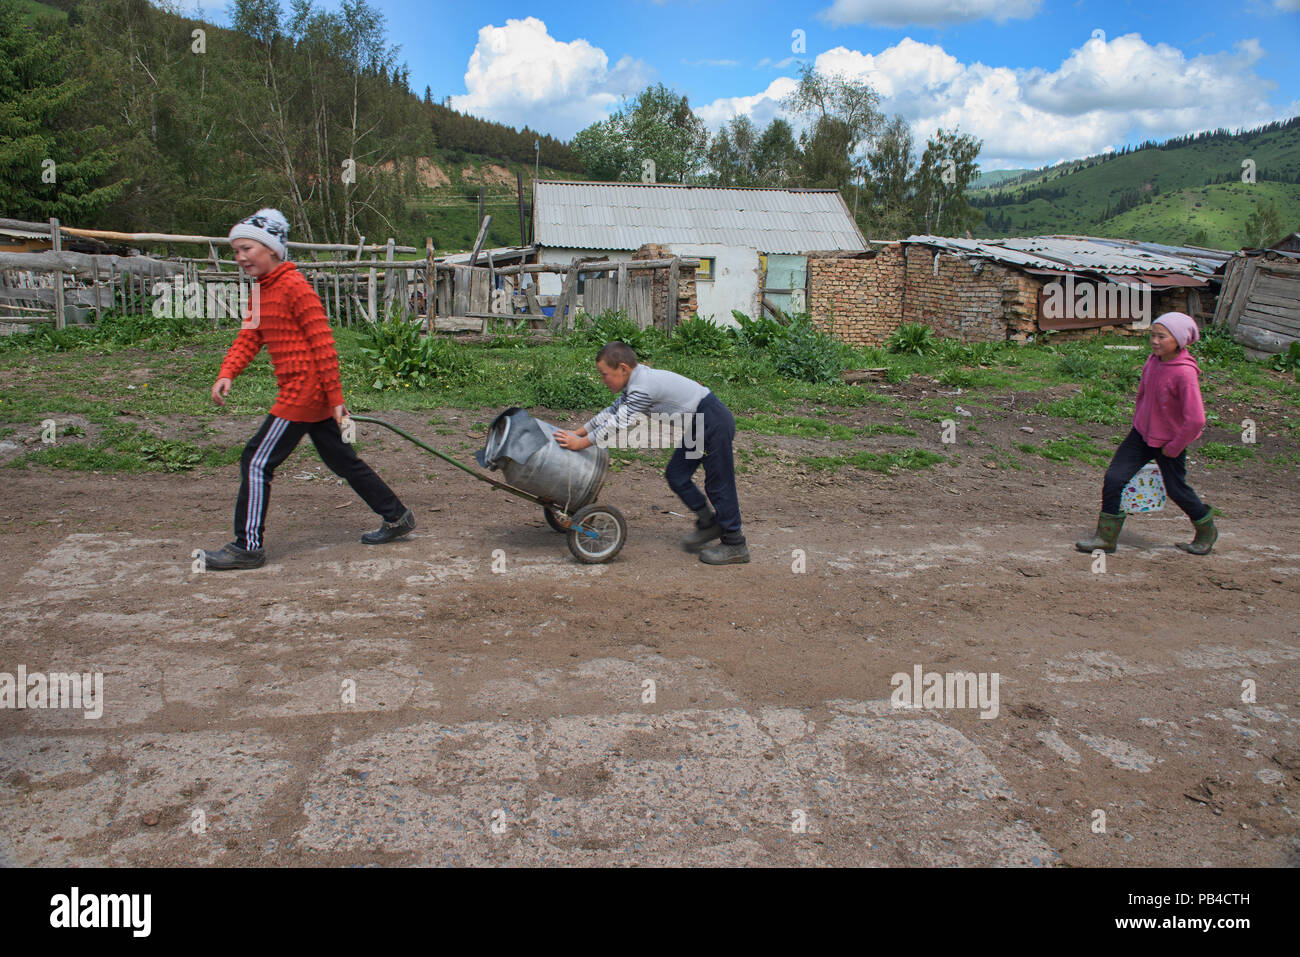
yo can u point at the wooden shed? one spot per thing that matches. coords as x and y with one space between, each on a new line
1260 300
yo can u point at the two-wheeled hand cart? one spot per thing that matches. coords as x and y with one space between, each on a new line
595 532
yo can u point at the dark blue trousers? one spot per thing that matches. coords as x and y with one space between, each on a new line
272 444
719 470
1132 454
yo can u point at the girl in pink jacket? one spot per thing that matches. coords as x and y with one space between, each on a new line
1168 417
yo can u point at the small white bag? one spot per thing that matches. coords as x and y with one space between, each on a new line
1145 492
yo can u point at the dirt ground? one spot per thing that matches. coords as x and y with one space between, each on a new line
503 718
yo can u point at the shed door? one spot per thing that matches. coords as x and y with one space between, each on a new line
785 283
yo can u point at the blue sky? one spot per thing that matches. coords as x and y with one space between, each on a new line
1038 80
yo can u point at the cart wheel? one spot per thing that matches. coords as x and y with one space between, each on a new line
552 519
598 533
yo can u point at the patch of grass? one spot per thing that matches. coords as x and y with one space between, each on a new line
1093 404
1075 447
805 427
1220 453
124 448
876 461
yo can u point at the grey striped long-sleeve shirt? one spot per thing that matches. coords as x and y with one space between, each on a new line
648 391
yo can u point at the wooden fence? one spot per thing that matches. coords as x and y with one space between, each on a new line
353 283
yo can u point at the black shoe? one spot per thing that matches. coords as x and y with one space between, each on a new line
724 554
233 557
390 530
701 537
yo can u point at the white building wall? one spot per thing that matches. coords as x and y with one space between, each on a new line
735 284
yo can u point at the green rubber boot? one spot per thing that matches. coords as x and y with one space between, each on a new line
1108 527
1206 536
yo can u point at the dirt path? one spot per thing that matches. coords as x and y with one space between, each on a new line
503 718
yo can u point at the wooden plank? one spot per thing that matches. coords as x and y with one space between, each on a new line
1285 289
460 291
1281 267
1287 303
1288 324
674 271
1242 295
534 307
622 290
641 302
480 295
1231 282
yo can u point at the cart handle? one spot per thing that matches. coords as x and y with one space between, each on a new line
449 460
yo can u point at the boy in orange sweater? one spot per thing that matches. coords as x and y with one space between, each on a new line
287 318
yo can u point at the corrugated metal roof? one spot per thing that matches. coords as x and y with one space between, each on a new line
1068 252
579 215
1208 259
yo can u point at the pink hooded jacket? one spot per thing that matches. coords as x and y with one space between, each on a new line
1169 410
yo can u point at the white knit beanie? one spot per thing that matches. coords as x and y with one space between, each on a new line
266 226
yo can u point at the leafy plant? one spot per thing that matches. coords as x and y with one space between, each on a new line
759 333
1288 361
809 354
565 389
1216 345
395 354
912 337
698 336
508 335
1078 365
613 325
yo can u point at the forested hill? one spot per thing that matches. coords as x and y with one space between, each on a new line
150 127
1201 189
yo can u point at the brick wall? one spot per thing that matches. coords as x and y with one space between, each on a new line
687 303
857 300
862 301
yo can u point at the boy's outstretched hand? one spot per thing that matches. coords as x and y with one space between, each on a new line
572 440
221 389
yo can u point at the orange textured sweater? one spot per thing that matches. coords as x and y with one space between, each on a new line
287 318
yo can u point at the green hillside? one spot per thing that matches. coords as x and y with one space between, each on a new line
1189 188
449 211
996 177
31 8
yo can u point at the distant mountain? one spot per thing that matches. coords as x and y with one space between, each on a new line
1195 189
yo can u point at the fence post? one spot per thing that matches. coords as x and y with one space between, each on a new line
56 243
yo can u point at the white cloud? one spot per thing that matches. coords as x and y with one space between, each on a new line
519 74
1287 6
1103 94
761 107
893 13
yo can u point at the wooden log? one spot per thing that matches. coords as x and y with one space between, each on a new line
56 245
390 280
484 223
523 228
851 376
674 272
430 280
567 293
372 294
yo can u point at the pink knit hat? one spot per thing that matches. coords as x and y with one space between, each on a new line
1181 326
